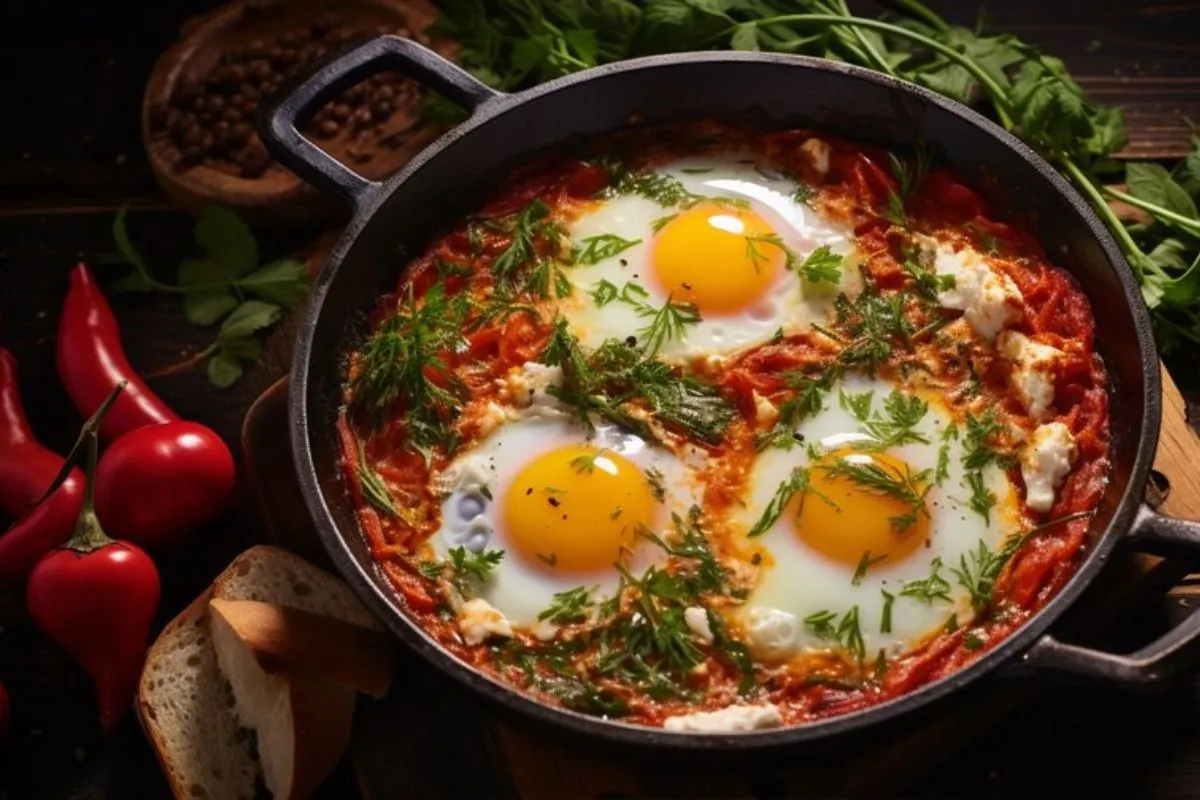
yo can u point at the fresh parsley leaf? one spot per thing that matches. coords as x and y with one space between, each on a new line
756 256
586 464
821 265
658 223
847 631
927 590
865 563
208 306
524 228
224 370
942 472
804 192
885 480
668 323
464 563
979 448
374 490
897 426
606 381
982 498
226 241
404 361
654 186
797 484
604 292
247 319
859 405
929 284
600 248
569 607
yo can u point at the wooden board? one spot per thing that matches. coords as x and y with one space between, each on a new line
404 744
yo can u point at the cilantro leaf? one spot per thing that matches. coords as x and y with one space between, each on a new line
226 241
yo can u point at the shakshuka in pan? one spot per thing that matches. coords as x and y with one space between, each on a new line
713 428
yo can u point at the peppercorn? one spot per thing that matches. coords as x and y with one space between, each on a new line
207 116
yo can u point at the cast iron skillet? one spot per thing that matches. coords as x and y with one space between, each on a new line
394 219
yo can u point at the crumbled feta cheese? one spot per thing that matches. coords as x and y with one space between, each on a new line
1033 370
765 411
1045 461
732 719
545 630
494 415
527 384
988 300
771 633
478 621
818 152
697 620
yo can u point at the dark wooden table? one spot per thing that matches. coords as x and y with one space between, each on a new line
70 154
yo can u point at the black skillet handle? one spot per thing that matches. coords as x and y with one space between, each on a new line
278 123
1170 655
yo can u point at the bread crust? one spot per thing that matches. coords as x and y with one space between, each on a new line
298 642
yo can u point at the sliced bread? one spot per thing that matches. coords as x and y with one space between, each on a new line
302 722
289 640
185 703
271 575
185 707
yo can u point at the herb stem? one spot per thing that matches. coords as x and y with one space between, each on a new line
868 49
1124 239
918 11
997 93
185 364
1192 226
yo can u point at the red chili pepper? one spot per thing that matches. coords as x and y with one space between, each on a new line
27 470
96 597
158 483
91 361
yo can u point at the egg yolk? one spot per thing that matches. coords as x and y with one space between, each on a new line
577 508
852 508
719 258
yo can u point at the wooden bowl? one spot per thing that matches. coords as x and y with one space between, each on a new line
278 197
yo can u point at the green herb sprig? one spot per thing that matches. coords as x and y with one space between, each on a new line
224 283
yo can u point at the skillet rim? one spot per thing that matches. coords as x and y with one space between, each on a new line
1011 649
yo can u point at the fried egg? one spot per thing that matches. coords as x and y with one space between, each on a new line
724 254
842 548
564 508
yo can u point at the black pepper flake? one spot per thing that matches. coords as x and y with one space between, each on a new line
631 341
625 263
554 501
687 286
529 491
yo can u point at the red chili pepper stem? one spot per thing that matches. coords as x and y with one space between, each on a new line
87 437
88 535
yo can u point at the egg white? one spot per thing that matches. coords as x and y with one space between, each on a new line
521 587
803 582
787 305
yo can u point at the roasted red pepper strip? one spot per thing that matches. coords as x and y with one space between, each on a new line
91 362
27 470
